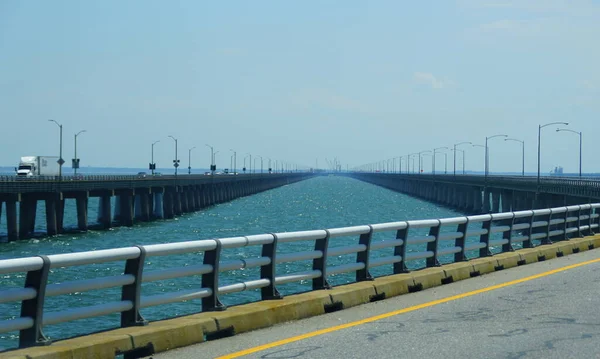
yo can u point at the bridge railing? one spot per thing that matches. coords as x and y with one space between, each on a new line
399 246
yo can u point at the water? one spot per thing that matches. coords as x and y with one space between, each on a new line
318 203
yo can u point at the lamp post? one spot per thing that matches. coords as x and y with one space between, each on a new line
484 160
75 163
540 148
487 159
463 160
420 153
261 164
523 155
434 153
212 159
234 160
176 160
60 159
152 164
190 160
250 164
455 145
580 149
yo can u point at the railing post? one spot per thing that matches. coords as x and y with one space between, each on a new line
508 247
433 246
132 292
34 307
268 271
320 264
485 238
579 233
565 225
400 267
548 218
528 243
590 221
363 257
211 280
461 242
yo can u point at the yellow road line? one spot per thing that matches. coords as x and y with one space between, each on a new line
400 311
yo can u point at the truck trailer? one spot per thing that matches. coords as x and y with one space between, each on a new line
31 166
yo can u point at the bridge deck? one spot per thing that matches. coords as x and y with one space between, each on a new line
554 315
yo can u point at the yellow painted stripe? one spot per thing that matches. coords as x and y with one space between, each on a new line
400 311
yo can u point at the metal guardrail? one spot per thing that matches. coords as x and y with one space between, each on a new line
444 237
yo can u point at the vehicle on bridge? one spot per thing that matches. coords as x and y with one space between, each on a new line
31 166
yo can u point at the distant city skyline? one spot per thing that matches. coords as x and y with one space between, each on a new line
358 81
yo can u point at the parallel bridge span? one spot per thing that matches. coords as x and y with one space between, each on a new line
491 194
135 199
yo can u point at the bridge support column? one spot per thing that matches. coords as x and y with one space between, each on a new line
117 211
142 206
183 197
486 200
104 215
495 201
126 207
27 211
11 219
168 203
158 205
51 204
507 201
478 200
81 202
177 201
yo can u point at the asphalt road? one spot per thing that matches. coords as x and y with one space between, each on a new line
553 316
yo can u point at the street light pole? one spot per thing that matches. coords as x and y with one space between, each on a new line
540 148
234 160
60 159
152 164
434 153
176 160
523 155
420 159
250 164
458 144
487 160
75 163
190 160
212 159
580 141
484 160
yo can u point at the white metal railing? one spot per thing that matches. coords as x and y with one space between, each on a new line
426 240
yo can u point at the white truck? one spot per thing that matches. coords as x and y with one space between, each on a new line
31 166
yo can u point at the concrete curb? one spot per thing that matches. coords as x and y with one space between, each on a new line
192 329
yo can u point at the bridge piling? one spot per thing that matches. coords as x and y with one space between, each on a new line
158 205
51 227
126 208
104 215
11 219
81 201
495 201
168 203
177 207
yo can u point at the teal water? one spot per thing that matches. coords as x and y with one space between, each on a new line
318 203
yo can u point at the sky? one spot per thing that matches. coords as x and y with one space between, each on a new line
300 81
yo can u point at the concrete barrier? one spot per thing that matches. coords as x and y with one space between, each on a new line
169 334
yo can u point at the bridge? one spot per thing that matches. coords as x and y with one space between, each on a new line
150 198
135 198
420 254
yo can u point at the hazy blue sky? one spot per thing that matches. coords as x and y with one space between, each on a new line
295 81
